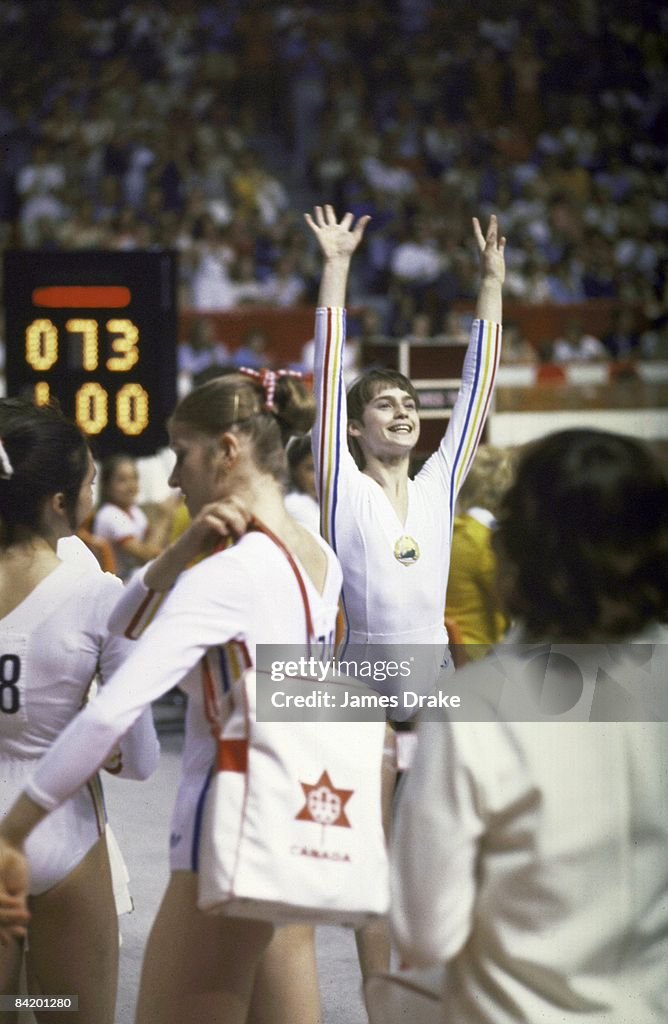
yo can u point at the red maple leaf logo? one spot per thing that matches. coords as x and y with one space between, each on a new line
325 804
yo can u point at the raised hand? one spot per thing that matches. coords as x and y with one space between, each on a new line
337 239
492 249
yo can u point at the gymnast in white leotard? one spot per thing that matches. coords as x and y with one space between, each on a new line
392 533
54 645
230 464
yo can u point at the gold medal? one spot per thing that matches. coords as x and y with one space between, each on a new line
406 550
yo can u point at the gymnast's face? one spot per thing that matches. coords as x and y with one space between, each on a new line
196 470
390 425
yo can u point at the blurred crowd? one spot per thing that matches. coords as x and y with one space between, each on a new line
210 127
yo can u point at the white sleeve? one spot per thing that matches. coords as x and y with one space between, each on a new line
136 607
73 550
447 469
434 849
335 469
139 747
208 606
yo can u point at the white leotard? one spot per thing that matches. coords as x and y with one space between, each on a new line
116 525
304 509
73 549
52 646
210 621
390 599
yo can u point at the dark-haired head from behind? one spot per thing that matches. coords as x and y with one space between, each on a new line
582 538
300 465
47 455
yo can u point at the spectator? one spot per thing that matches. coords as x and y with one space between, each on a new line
576 345
516 347
203 349
420 329
473 598
212 286
416 266
40 185
120 520
284 285
654 341
254 351
586 195
622 340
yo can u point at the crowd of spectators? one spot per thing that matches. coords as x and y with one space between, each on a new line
210 127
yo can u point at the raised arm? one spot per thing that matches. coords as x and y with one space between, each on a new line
337 240
447 469
492 253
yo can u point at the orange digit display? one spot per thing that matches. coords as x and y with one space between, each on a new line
124 344
132 406
42 393
41 344
89 347
95 331
92 405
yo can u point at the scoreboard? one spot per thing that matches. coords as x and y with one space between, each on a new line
97 331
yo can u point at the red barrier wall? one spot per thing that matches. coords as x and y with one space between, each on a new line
289 329
547 321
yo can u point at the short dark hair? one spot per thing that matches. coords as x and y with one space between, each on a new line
48 454
582 538
363 390
298 449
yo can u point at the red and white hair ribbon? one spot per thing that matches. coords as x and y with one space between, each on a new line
268 379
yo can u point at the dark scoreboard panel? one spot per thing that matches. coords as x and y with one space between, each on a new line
97 331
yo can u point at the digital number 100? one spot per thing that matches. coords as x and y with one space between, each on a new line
91 407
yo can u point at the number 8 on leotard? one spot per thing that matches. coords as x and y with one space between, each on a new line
10 673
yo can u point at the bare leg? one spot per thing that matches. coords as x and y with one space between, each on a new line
10 970
373 940
73 941
198 967
373 948
286 986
